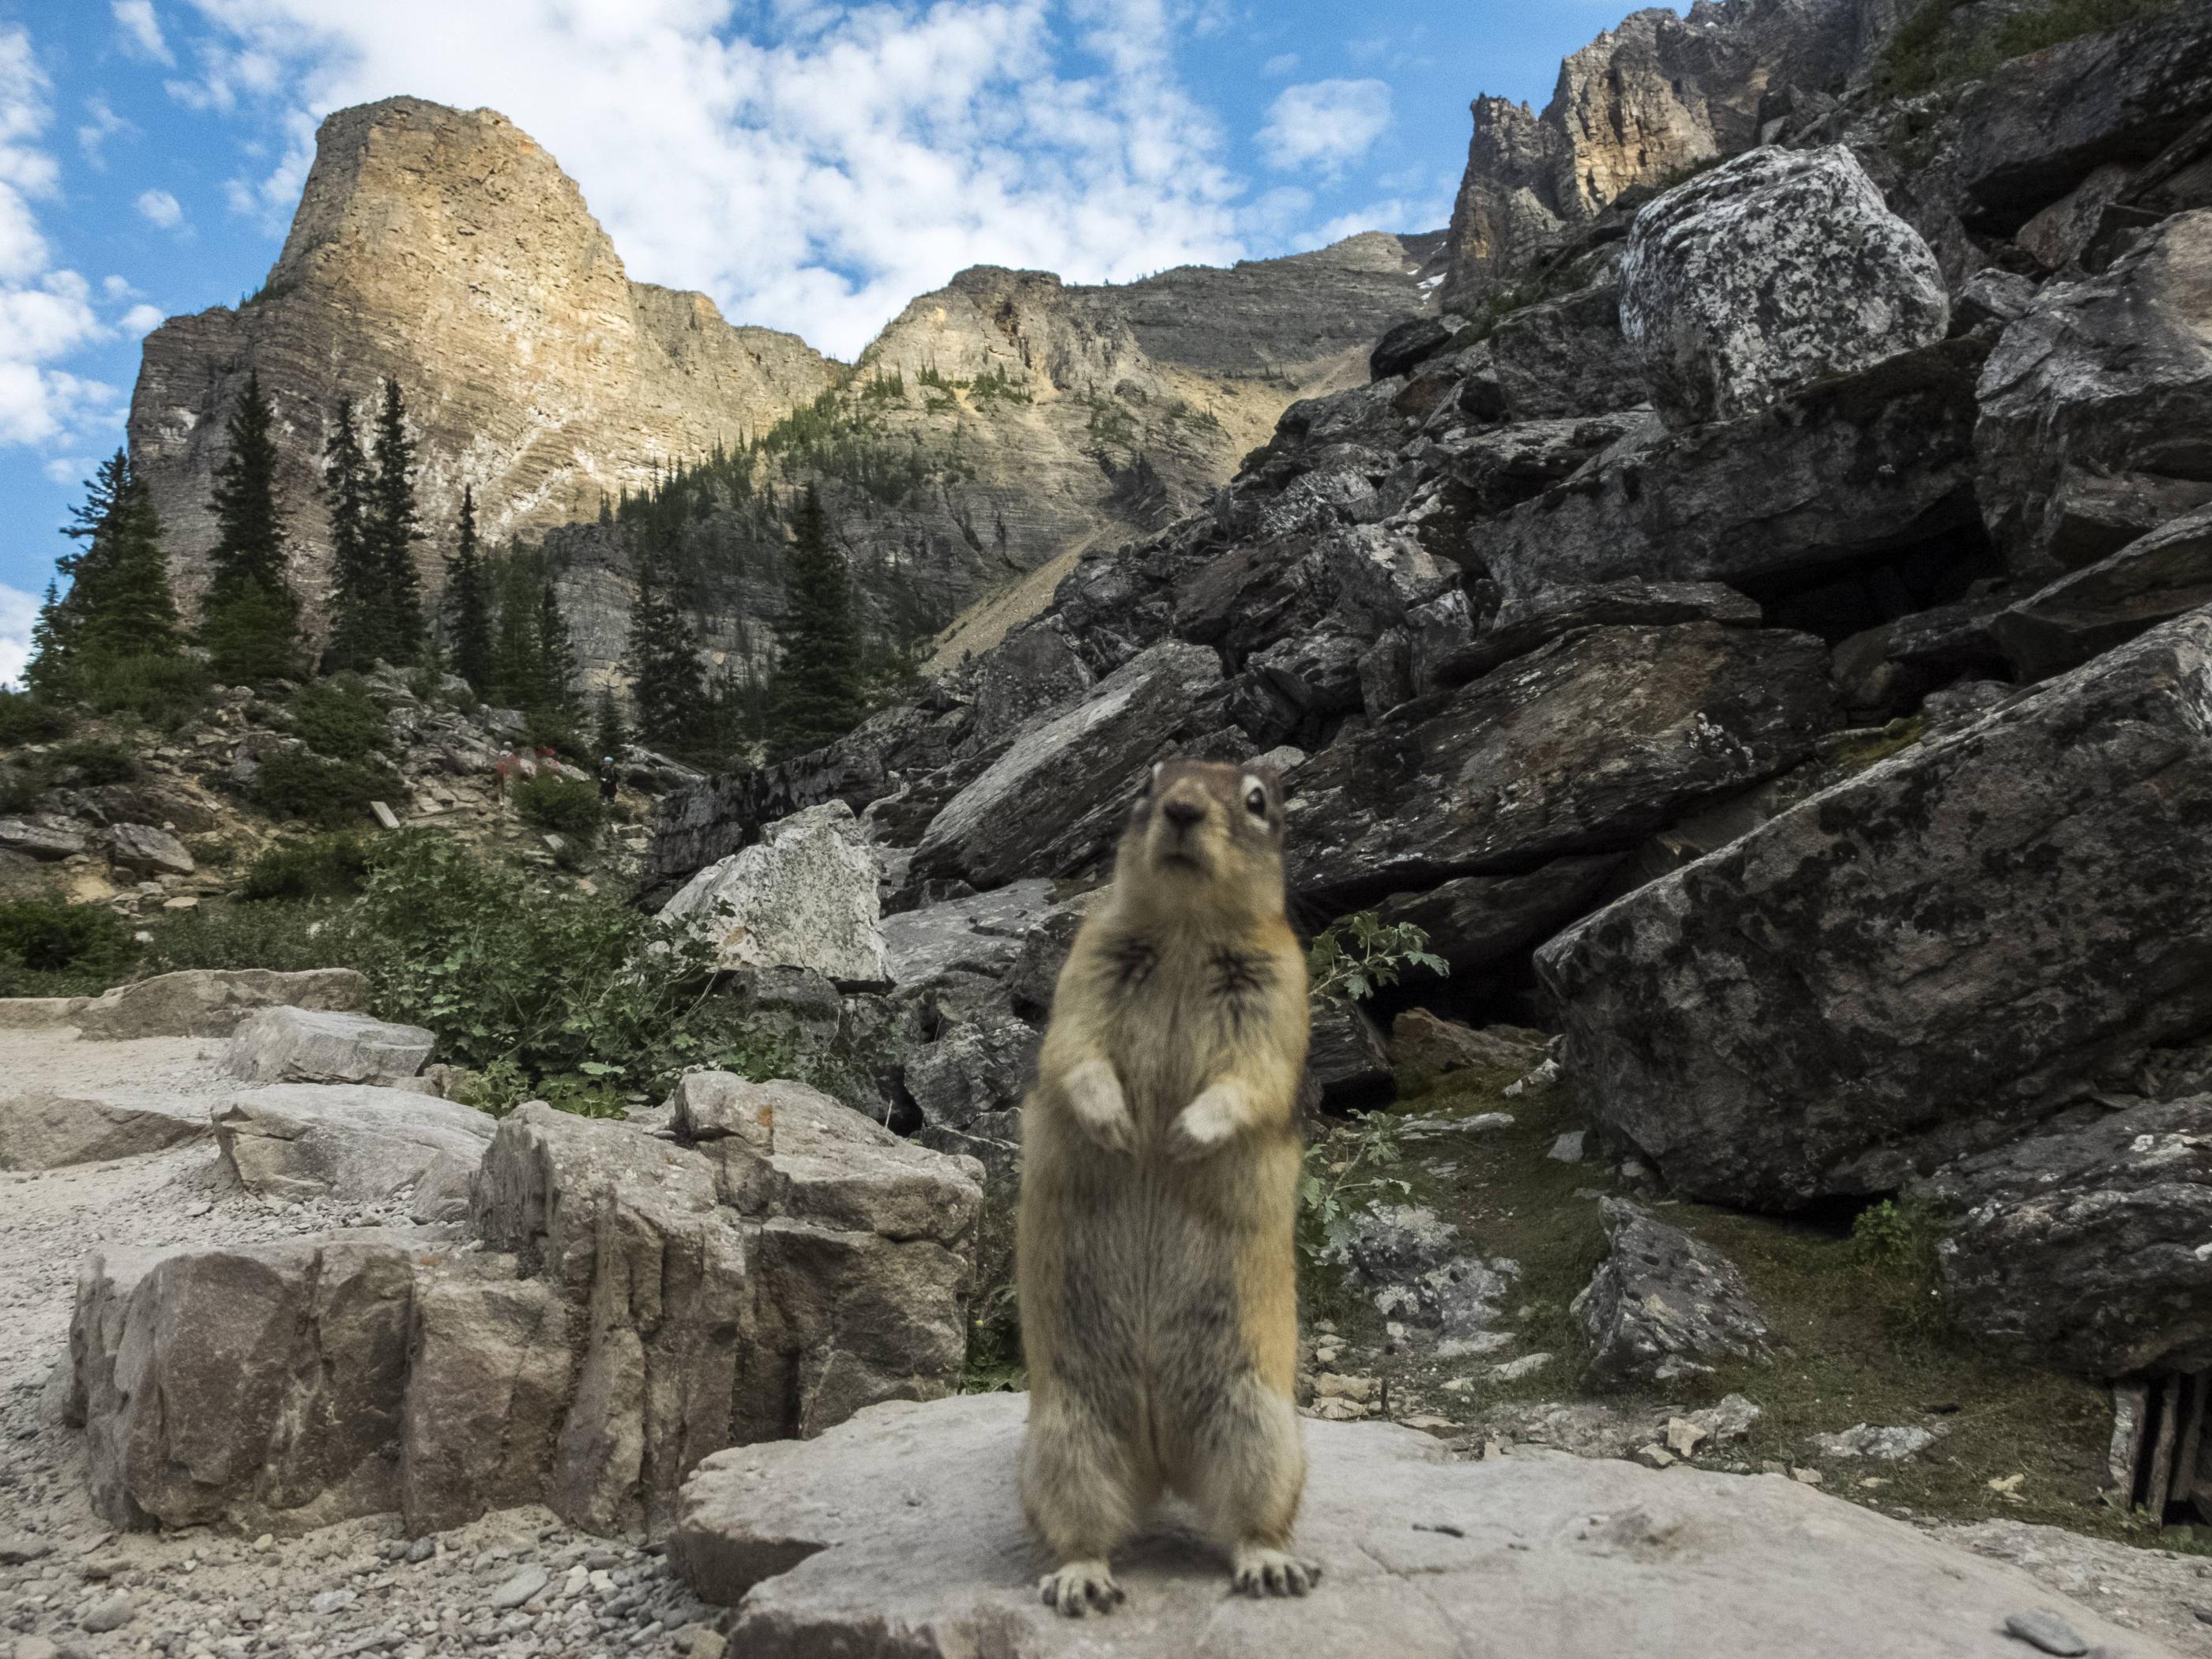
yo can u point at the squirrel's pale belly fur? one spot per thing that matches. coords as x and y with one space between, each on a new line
1157 1262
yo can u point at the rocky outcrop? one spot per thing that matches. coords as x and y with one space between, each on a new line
1543 1553
2095 404
1922 959
1772 271
628 1304
2151 579
211 1001
1663 1307
803 897
2083 1248
354 1142
307 1045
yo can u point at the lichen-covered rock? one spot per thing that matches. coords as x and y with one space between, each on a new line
2097 397
2157 577
1662 1306
353 1143
1912 964
313 1045
1418 1268
1534 618
1773 270
1591 741
2084 1248
42 835
211 1001
1424 1047
805 896
147 852
982 933
1847 472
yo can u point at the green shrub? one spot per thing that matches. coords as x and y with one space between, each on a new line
25 718
50 948
165 692
570 806
89 763
285 937
332 793
323 866
338 720
1350 958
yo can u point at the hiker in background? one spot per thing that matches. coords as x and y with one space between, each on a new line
607 777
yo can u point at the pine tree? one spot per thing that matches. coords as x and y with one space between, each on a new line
668 689
119 603
46 672
250 622
516 669
358 634
468 603
610 737
556 653
393 527
817 697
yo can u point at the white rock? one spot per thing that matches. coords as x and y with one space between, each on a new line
313 1045
807 897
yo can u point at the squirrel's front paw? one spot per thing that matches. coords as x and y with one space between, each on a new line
1205 1124
1095 1097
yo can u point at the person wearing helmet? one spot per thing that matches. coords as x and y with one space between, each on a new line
606 777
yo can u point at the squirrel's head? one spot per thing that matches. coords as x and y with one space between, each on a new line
1205 830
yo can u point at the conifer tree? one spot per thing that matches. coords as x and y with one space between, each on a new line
468 602
118 604
250 622
610 737
393 526
817 697
359 634
556 653
668 689
516 669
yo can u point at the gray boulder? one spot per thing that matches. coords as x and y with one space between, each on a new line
353 1143
2084 1250
900 1534
1417 1268
146 851
1424 1047
254 1385
1661 1306
311 1045
983 934
1770 271
1522 624
1557 358
1472 922
1590 743
49 1125
968 1082
1053 802
42 835
2159 576
1850 470
2096 404
806 896
1345 1057
211 1001
1912 964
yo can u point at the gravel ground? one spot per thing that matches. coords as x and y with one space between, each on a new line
518 1582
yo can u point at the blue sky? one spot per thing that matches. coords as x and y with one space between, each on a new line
809 165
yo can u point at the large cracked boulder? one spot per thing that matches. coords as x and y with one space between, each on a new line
1913 964
1843 473
1053 802
899 1537
981 934
1592 742
1663 1307
2085 1248
314 1045
353 1143
2096 422
1775 269
805 896
211 1001
628 1304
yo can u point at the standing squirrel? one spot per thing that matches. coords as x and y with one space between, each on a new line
1160 1161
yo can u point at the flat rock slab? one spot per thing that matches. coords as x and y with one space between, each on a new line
353 1143
316 1045
64 1100
899 1533
211 1001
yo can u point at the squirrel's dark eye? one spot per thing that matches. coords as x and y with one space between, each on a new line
1256 803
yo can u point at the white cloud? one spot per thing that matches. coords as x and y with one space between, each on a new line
46 314
18 610
1282 64
141 320
814 181
1325 123
68 469
100 124
161 209
141 31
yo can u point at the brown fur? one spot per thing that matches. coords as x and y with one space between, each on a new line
1160 1193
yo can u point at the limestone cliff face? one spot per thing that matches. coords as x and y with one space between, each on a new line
1641 105
445 248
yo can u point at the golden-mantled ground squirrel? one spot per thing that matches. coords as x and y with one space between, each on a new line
1160 1157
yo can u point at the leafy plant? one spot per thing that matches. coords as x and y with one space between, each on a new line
286 936
165 692
26 718
1895 1247
570 806
1345 1173
50 948
323 866
332 793
338 718
1351 956
89 762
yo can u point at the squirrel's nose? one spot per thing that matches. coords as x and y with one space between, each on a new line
1183 813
